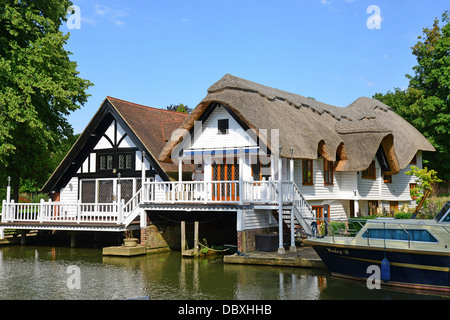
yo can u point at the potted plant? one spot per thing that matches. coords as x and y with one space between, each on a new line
129 240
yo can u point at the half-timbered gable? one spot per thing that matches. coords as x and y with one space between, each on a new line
119 143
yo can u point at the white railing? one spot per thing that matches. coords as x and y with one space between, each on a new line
230 192
265 191
261 191
61 212
191 192
300 203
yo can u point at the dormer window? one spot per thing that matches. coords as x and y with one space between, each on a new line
223 126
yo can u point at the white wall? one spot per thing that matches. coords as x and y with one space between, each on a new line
256 219
210 139
344 183
69 194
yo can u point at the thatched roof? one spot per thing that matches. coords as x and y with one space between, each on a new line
351 135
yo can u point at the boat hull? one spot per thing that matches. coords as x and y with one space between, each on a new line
408 268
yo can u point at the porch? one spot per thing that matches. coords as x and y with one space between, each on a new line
162 196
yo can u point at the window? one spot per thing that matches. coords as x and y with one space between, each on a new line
260 170
373 206
105 191
328 168
88 191
413 190
125 161
393 206
370 172
106 162
400 234
121 161
307 175
223 126
387 178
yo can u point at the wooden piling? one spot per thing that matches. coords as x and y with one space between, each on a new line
196 238
183 237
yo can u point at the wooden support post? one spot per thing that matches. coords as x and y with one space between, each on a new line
241 178
6 217
73 239
196 238
23 237
183 237
143 219
280 205
143 168
292 248
180 170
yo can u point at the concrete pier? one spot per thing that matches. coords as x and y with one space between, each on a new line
304 257
124 251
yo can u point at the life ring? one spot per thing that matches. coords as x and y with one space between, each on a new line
197 175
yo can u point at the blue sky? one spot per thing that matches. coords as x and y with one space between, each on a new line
159 53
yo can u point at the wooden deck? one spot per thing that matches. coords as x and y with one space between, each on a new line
67 226
188 196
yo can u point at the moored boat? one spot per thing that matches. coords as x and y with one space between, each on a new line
409 253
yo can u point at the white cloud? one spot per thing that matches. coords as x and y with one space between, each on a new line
88 20
99 11
325 2
114 14
184 20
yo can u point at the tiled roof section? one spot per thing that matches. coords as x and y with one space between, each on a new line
152 126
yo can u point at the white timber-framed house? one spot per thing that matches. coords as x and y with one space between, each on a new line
345 162
246 149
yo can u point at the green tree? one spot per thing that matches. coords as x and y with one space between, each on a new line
426 102
39 87
426 180
179 108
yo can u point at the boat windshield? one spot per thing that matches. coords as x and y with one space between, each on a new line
443 215
400 234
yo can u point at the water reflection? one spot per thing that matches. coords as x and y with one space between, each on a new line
42 273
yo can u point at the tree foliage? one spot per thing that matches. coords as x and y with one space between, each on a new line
39 87
179 108
426 102
426 180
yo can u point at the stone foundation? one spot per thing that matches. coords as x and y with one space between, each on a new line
246 239
152 239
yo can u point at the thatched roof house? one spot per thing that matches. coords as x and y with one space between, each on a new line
352 136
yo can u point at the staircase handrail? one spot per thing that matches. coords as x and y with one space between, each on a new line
299 200
132 204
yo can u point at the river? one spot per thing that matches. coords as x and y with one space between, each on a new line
61 273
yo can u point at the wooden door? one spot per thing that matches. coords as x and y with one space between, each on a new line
352 208
225 171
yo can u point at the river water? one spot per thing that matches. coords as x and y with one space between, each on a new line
61 273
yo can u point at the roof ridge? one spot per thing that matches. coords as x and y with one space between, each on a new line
144 106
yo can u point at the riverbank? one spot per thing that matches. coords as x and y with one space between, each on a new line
305 257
